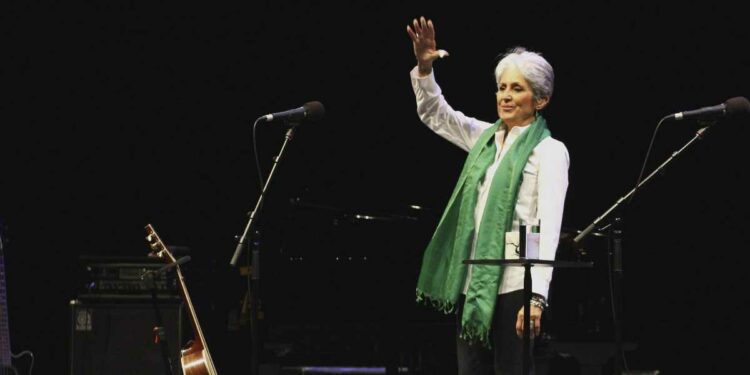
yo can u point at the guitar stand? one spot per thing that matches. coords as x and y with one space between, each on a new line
160 336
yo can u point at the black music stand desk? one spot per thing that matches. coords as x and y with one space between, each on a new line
527 263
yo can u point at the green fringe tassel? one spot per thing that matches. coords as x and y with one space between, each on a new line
444 306
472 334
476 335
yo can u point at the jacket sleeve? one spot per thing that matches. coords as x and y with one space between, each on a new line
434 111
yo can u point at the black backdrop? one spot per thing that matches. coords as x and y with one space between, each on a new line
121 114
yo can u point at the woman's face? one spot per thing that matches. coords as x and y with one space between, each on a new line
515 99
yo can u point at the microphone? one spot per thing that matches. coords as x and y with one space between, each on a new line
732 106
309 111
178 262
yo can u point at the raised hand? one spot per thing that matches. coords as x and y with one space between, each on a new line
425 49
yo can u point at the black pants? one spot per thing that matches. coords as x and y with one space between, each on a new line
506 354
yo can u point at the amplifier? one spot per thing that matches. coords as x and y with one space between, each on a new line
119 338
124 276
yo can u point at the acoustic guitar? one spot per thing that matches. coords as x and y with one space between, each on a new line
195 357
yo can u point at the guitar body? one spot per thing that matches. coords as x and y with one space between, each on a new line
195 358
196 361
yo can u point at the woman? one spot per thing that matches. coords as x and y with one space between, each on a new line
515 173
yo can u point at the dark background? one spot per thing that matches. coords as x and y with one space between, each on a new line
119 114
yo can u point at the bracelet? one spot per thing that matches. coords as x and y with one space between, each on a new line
538 301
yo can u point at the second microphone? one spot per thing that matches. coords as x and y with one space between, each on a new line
309 111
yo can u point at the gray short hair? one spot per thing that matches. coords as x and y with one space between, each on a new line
533 67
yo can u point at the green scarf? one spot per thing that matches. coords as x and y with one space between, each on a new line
442 277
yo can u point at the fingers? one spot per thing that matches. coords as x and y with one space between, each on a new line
414 31
534 322
430 29
421 28
411 33
519 327
535 327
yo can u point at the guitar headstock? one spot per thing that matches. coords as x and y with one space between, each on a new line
157 246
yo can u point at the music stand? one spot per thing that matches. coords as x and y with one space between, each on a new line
527 263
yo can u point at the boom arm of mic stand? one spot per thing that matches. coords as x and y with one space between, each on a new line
178 262
243 239
616 254
698 135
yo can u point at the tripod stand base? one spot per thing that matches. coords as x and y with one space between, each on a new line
592 356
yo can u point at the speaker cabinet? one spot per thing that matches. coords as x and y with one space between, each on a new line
119 337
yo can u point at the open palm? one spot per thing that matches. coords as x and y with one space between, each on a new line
422 34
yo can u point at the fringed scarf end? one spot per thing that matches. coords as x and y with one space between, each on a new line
476 335
442 305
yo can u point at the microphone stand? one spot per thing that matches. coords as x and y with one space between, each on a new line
615 251
253 298
163 269
254 212
255 273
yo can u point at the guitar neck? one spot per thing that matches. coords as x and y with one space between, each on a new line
191 310
5 357
199 338
160 249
